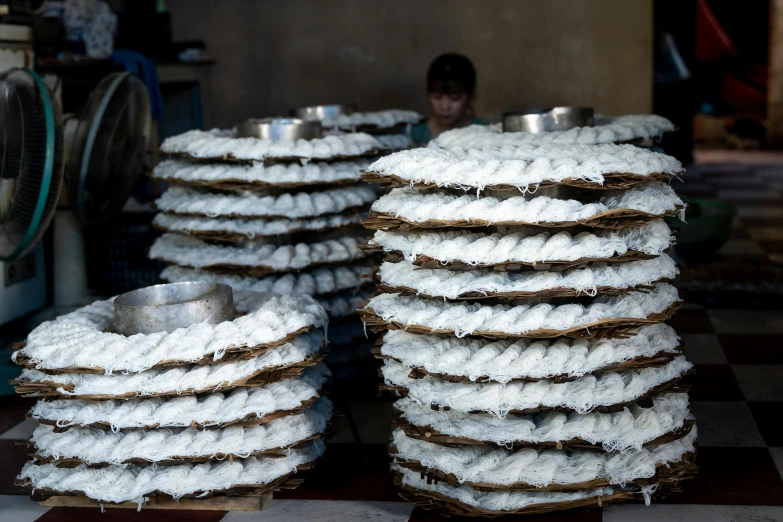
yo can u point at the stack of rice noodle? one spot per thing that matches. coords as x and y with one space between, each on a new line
271 216
391 126
522 303
227 409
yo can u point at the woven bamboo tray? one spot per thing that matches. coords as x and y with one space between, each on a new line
445 506
231 354
423 261
252 490
429 434
656 361
249 420
235 185
224 503
612 180
607 329
611 219
507 296
348 210
672 386
366 282
226 236
280 452
667 475
263 377
260 270
228 158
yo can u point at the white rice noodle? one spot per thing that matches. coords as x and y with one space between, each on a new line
506 360
192 201
96 446
607 129
521 318
628 429
419 206
525 245
497 501
191 252
317 282
380 119
441 282
482 465
181 379
313 173
213 410
524 167
581 395
220 144
81 339
252 227
136 482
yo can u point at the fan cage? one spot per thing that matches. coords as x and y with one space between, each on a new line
31 161
108 153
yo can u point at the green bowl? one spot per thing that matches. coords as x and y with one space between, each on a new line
706 228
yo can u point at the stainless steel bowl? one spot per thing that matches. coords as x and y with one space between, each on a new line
548 120
164 308
320 112
280 129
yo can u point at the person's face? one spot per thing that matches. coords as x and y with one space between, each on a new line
448 108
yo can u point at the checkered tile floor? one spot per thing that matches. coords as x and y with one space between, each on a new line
736 342
754 184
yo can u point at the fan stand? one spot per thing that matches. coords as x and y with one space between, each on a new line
70 269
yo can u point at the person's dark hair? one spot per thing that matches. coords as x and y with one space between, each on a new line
451 74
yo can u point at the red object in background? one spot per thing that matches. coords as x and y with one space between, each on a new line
742 96
743 85
712 42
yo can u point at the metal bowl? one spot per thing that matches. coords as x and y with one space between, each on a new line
280 129
548 120
164 308
321 112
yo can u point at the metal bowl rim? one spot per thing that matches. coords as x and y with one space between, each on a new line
280 120
266 128
221 290
350 107
536 111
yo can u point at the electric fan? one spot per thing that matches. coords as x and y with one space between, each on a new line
31 161
100 157
105 153
106 147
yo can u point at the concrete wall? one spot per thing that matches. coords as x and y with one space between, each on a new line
276 54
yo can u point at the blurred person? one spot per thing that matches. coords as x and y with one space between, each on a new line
451 89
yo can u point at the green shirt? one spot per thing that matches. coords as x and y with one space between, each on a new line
421 133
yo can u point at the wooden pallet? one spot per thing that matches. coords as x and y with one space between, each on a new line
217 503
